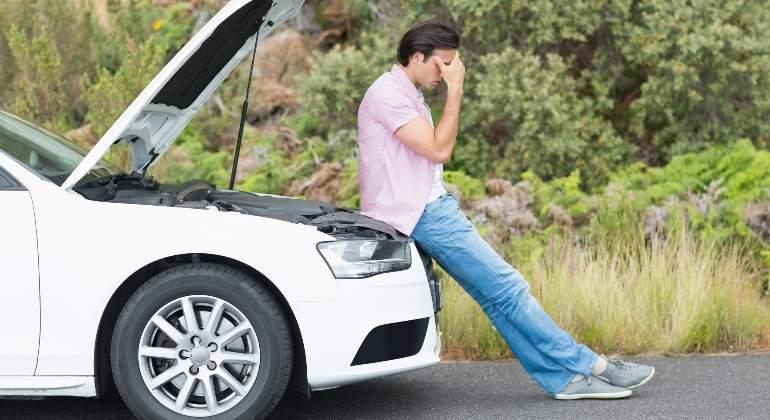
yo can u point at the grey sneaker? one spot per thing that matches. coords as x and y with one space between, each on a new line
591 387
626 374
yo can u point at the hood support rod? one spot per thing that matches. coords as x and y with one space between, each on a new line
244 108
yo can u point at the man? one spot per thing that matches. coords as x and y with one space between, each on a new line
400 161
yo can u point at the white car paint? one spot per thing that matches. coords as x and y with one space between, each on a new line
64 256
20 310
87 249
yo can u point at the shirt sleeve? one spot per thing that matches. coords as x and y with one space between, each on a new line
393 110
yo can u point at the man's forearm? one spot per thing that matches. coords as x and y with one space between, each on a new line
446 130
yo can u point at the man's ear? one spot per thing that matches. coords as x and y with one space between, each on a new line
417 57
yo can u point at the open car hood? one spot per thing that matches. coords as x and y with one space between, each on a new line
162 110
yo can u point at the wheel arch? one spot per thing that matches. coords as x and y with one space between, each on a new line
104 381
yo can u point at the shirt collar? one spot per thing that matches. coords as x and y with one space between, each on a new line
399 75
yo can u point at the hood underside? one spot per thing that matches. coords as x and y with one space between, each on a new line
162 110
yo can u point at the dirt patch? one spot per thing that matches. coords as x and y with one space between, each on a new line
757 216
507 209
280 60
83 136
323 185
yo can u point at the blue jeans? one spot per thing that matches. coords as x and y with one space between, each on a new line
546 352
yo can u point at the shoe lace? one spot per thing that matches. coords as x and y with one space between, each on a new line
622 367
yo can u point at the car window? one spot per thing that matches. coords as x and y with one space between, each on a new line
4 183
44 152
7 182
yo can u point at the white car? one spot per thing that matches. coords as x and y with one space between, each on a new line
193 301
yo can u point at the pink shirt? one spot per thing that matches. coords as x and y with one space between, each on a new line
394 180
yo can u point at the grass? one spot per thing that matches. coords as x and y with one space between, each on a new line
628 297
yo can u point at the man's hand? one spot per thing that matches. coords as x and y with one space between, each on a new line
436 144
453 74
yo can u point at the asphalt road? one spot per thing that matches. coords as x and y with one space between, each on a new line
712 387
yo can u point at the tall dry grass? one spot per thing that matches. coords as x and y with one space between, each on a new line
628 297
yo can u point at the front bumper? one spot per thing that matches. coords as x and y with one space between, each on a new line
334 332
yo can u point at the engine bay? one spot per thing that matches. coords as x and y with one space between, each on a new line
200 194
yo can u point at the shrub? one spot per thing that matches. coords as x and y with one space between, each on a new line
67 28
111 92
39 93
273 173
700 74
338 81
188 158
470 188
657 77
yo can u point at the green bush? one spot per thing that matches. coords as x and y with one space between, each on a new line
274 173
715 185
706 193
189 158
111 92
68 28
701 74
656 77
338 81
532 112
470 188
39 93
349 195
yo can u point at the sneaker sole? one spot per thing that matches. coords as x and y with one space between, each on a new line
645 380
598 395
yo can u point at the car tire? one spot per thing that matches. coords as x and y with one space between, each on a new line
145 329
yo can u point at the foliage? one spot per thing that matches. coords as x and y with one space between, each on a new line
530 112
349 196
712 187
111 92
656 78
39 91
563 192
188 159
335 86
679 296
470 188
273 173
62 26
703 71
66 69
705 192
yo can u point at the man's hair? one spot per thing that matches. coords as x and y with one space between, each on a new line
425 37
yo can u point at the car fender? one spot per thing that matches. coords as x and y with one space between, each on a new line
88 249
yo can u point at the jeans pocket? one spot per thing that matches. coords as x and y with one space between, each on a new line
434 205
431 207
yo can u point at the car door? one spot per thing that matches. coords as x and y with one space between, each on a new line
20 307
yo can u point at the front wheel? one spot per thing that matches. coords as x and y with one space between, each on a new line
201 340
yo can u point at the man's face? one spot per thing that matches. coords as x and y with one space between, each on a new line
426 71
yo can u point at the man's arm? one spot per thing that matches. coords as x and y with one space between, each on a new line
437 144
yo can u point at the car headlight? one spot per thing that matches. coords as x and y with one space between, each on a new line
358 258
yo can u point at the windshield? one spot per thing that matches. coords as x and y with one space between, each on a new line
44 152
